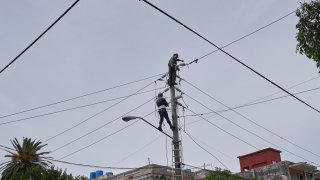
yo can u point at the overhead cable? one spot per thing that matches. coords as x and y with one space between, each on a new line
255 134
255 103
105 137
7 147
40 36
73 108
81 96
140 149
98 128
293 86
223 130
249 34
253 122
215 157
110 167
228 54
96 114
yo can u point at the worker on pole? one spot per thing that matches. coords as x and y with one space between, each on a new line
173 68
177 154
162 105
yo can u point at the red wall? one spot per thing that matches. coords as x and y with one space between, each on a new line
259 159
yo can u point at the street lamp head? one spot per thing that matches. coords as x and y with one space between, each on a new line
128 118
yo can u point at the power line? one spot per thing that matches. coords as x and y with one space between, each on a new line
100 127
140 149
110 167
260 137
209 146
303 82
73 108
7 147
93 166
86 165
102 139
253 122
96 114
228 54
206 150
105 137
255 103
40 36
249 34
225 131
81 96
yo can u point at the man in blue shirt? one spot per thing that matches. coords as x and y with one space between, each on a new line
162 104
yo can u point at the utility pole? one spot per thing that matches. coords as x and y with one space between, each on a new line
175 141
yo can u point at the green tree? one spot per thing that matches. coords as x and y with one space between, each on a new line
24 157
219 174
41 173
308 35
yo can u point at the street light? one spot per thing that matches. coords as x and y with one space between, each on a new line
129 118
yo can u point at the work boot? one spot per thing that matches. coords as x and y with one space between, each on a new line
159 128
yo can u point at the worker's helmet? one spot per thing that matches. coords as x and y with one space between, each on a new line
176 54
160 94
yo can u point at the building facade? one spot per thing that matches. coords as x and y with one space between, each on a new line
155 172
266 164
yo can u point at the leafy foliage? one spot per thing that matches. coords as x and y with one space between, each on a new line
41 173
308 35
219 174
24 157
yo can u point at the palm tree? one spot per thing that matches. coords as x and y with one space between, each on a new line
23 157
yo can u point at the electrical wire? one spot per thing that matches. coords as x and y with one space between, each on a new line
224 154
105 137
223 130
228 54
140 149
309 80
101 139
107 167
40 36
96 114
253 122
7 147
255 103
73 108
215 157
260 137
94 166
81 96
98 128
249 34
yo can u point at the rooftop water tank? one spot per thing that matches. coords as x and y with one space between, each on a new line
92 175
99 173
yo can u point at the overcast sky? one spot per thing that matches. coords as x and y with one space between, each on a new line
102 44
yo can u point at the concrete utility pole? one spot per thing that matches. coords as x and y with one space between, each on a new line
175 141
